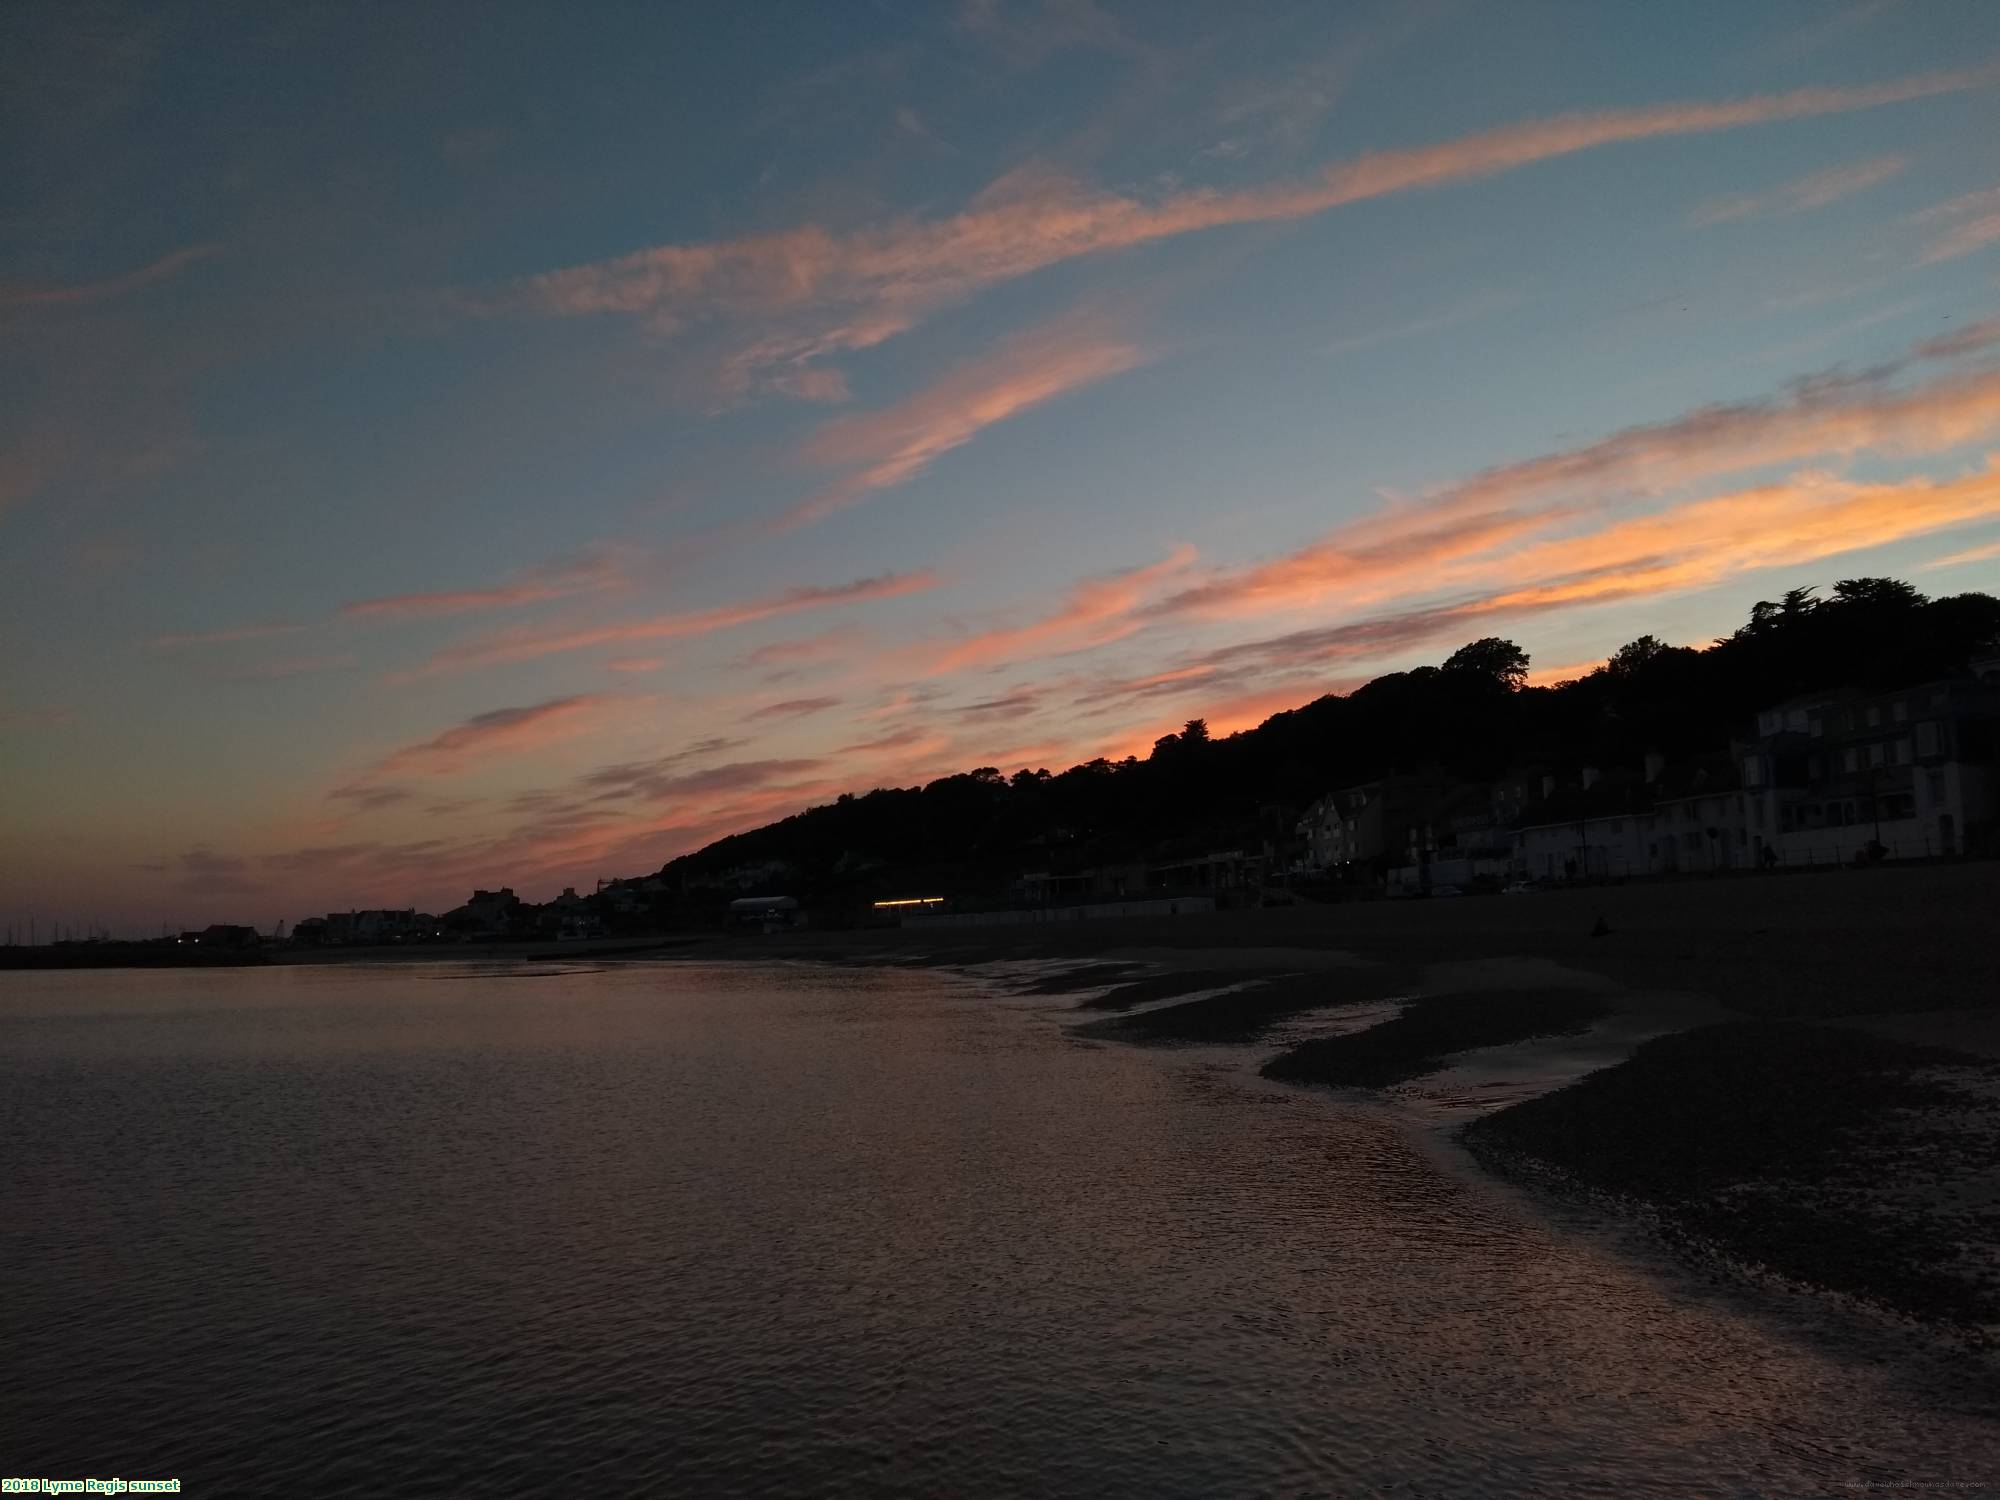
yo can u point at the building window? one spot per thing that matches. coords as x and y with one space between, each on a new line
1874 715
1875 756
1818 726
1934 786
1850 759
1900 712
1927 739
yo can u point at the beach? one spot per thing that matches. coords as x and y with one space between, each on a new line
1792 1077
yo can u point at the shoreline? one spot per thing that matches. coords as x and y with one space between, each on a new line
1550 1036
1800 1089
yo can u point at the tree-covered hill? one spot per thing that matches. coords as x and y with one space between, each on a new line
1470 718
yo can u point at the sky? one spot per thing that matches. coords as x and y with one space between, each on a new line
472 445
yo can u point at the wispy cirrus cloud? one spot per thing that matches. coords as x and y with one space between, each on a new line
1026 32
783 658
499 731
1985 553
32 295
846 291
1801 194
1506 505
1977 225
891 447
664 781
1563 523
226 636
1696 545
561 579
1096 612
558 580
791 708
1967 340
1466 312
527 645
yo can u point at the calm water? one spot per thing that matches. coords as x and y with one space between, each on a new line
436 1230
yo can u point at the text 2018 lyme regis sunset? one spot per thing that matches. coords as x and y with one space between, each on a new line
1000 747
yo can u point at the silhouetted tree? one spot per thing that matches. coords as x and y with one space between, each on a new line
1503 661
1878 593
1471 719
1632 658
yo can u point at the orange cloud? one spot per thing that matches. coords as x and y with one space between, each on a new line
1708 541
529 645
1097 611
893 446
1691 546
1414 546
1970 555
866 286
1567 672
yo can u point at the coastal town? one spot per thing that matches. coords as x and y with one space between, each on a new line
1853 774
1058 748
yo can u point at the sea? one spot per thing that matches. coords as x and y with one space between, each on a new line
691 1229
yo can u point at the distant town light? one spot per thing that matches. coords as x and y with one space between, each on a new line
910 901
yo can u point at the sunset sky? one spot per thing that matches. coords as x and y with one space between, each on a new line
453 445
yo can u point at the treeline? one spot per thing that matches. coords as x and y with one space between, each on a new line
1472 718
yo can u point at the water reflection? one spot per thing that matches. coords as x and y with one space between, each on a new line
788 1230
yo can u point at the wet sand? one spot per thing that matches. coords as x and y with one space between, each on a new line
1831 943
1598 1042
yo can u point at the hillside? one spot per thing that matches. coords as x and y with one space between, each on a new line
1470 718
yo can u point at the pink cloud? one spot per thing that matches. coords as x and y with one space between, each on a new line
792 708
1815 190
1979 226
556 581
1691 546
1097 611
1984 553
855 290
1967 340
80 294
531 645
893 446
1414 545
500 731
